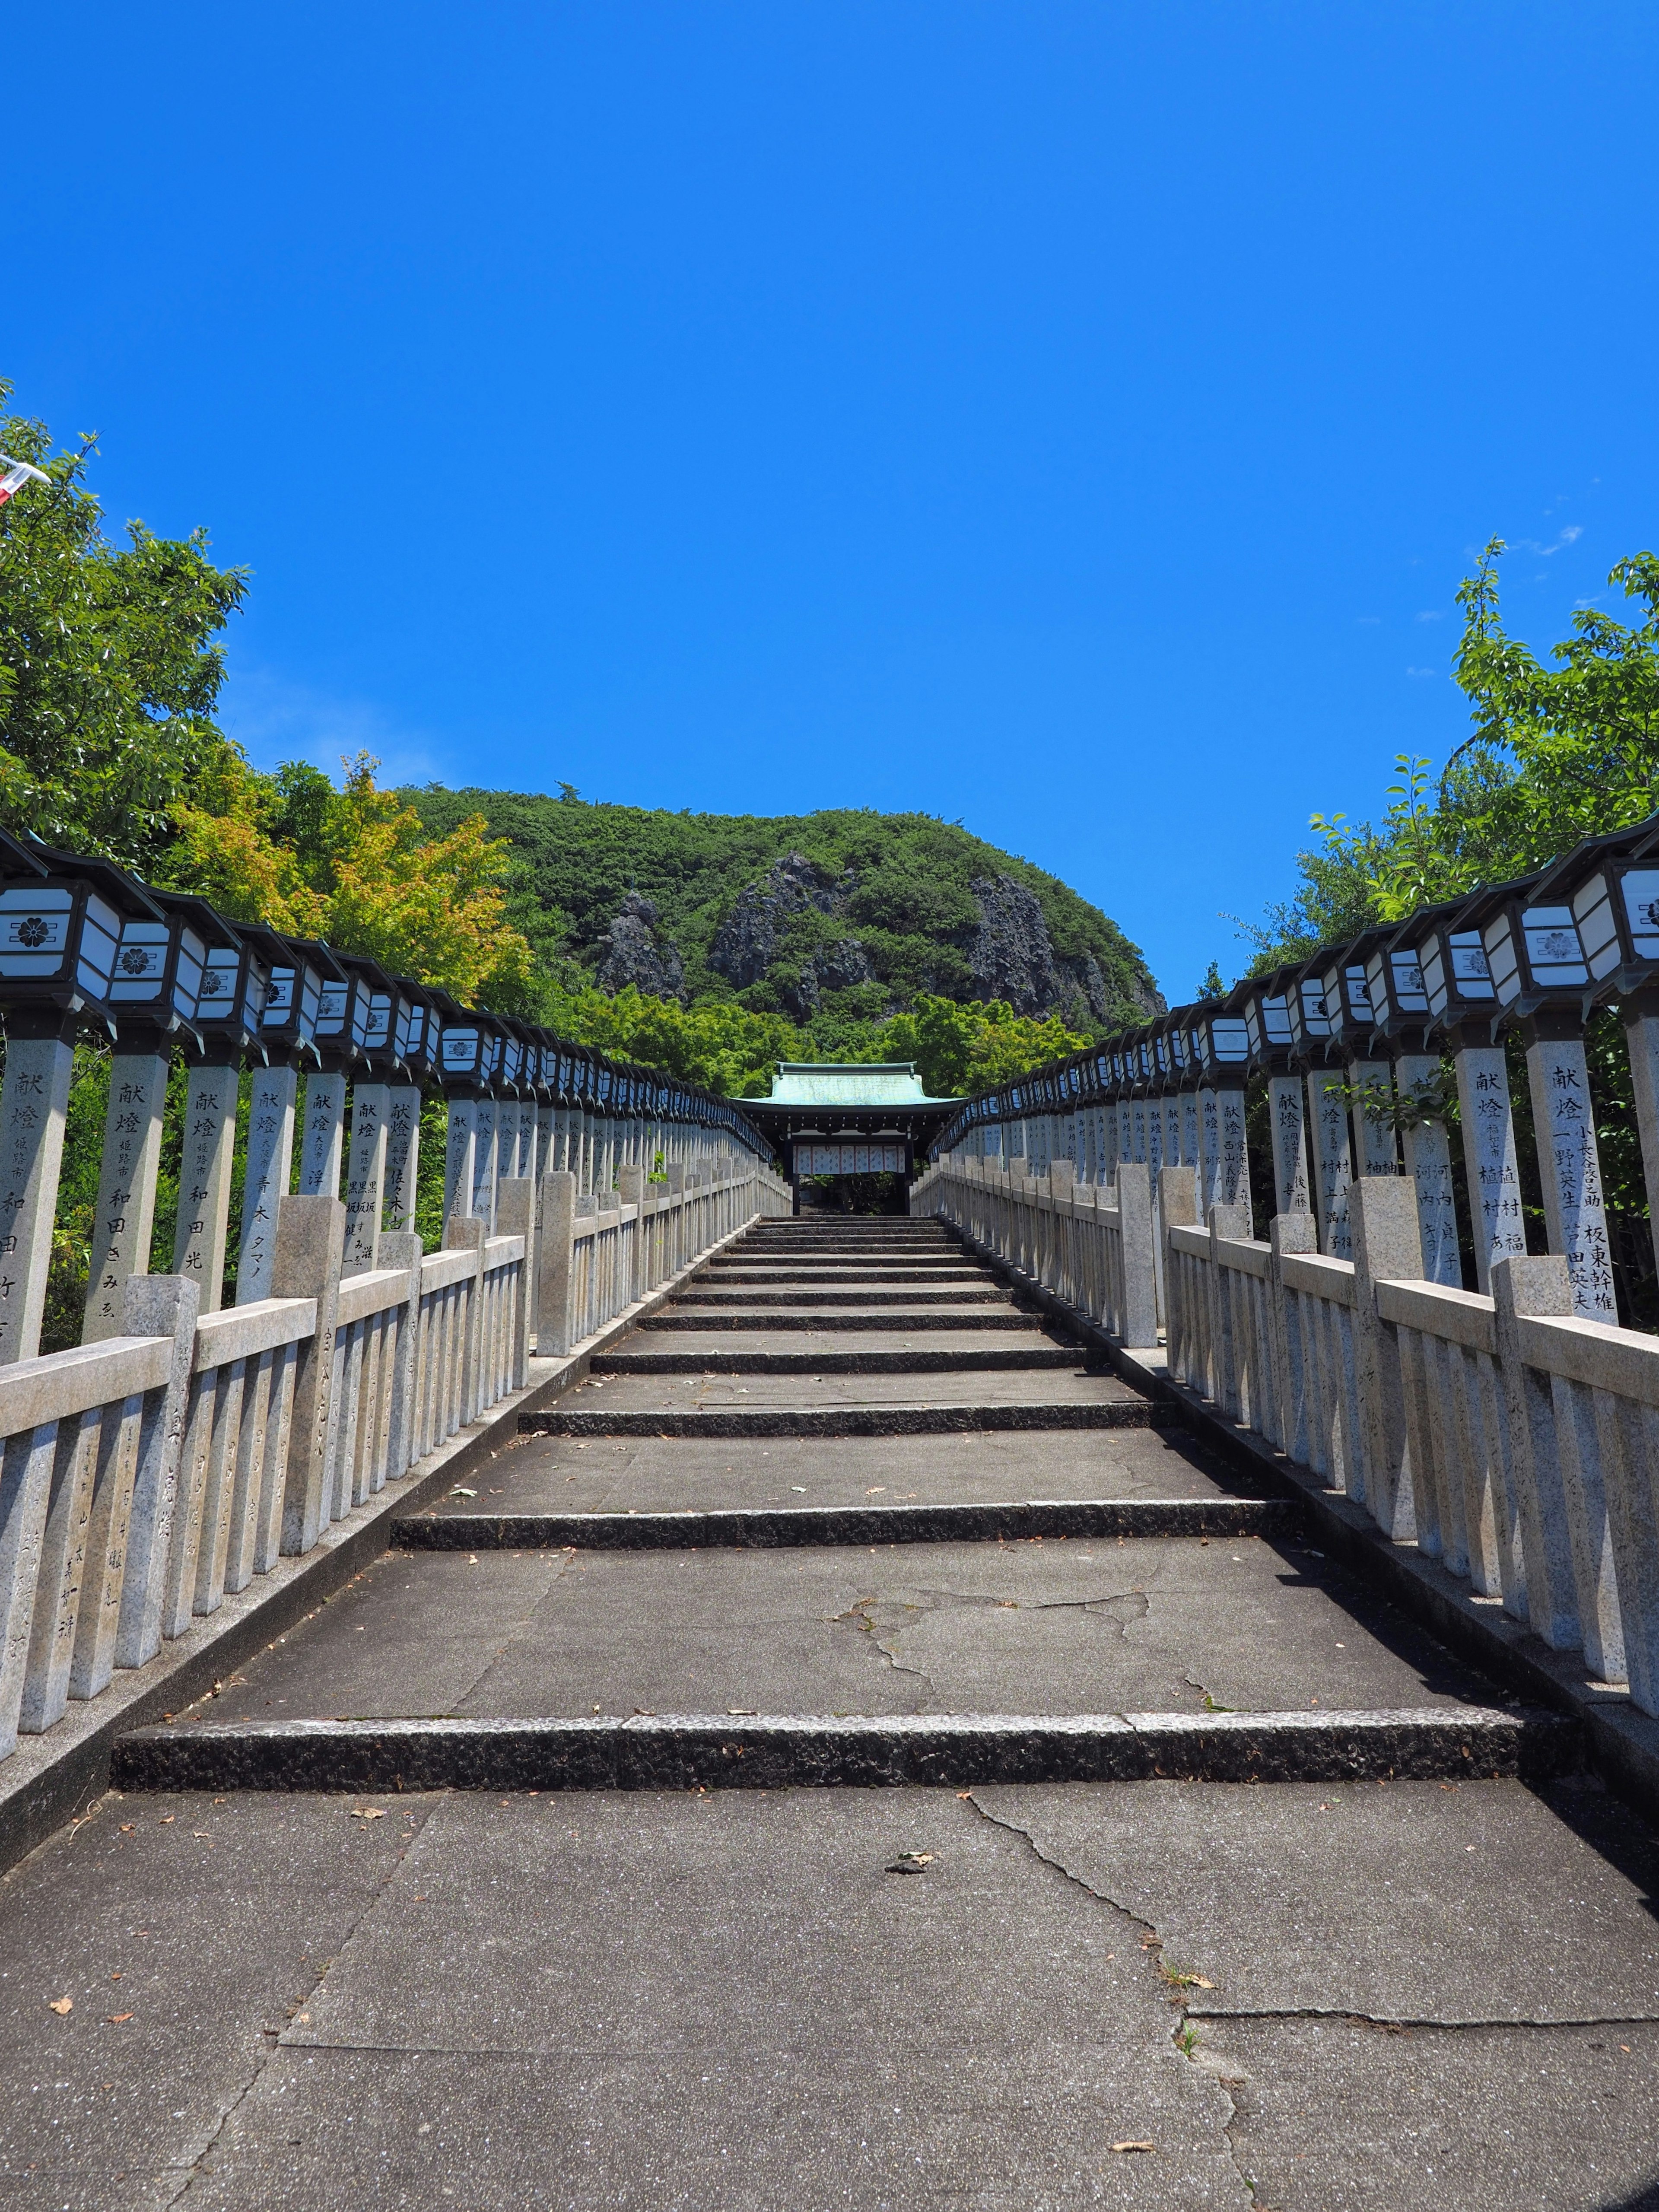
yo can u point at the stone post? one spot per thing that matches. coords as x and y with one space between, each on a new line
1382 1213
1288 1234
203 1232
485 1167
155 1305
1332 1165
403 1154
322 1141
1233 1165
465 1233
270 1164
401 1248
371 1115
1376 1150
1428 1162
34 1107
1558 1075
513 1201
1285 1116
25 1471
630 1191
1489 1156
1134 1199
1544 1595
310 1250
125 1215
460 1156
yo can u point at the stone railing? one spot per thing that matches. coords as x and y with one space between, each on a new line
1507 1438
601 1254
148 1476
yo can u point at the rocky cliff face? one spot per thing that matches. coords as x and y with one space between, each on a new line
746 943
835 967
631 953
1012 956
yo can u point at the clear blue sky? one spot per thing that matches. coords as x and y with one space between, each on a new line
1071 419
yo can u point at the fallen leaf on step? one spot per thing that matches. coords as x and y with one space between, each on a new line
461 1491
911 1863
367 1813
114 2019
62 2006
1134 2146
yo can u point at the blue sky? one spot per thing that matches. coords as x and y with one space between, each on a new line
1073 419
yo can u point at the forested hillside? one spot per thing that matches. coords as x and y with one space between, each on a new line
829 918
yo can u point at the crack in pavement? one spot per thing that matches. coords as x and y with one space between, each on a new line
567 1561
196 2170
1184 2038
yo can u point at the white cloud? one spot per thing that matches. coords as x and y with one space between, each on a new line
1569 536
1432 614
1419 672
279 720
1368 622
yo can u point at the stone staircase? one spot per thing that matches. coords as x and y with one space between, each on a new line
603 1920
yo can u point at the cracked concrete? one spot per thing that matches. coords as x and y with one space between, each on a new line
1321 1998
1063 1626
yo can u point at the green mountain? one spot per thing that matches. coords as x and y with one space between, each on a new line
840 916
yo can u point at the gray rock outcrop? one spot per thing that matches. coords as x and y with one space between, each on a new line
746 943
630 951
835 967
1011 955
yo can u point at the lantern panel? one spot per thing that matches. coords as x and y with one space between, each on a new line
34 931
460 1051
1640 890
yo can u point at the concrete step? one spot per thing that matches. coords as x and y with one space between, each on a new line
871 1320
721 1750
930 1358
936 1418
806 1294
656 1474
727 2001
722 1277
1102 1520
1066 1627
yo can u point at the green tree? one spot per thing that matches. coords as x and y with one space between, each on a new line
109 669
1556 754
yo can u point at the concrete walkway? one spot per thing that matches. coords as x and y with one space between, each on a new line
1073 1967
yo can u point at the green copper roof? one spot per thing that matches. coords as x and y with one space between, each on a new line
850 1083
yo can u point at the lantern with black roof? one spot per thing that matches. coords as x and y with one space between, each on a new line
336 1046
372 1010
154 996
1615 902
1458 1019
1541 973
1267 1023
1221 1051
1353 1041
61 920
1327 1108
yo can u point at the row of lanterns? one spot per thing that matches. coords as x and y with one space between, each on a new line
83 943
1534 956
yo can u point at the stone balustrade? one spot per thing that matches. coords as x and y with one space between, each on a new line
185 1446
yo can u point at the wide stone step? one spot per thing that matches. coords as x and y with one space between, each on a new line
805 1294
937 1418
932 1359
782 1527
720 1277
902 1319
691 1751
